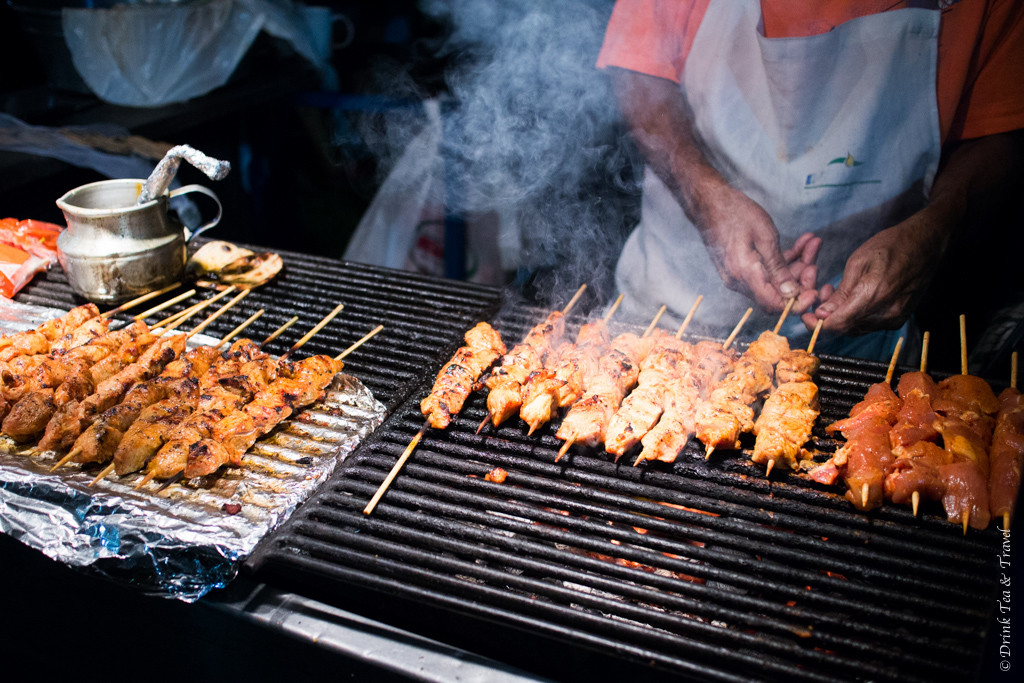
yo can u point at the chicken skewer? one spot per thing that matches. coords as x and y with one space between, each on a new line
65 426
300 385
616 374
728 410
99 441
789 413
866 456
967 407
72 376
644 406
578 360
39 340
1007 450
913 438
507 385
709 361
452 386
159 437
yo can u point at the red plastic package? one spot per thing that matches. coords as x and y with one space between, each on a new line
27 247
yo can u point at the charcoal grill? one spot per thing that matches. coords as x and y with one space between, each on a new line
699 570
703 570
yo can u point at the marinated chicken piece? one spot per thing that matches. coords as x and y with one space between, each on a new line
644 406
505 385
456 379
617 372
728 411
1006 454
785 423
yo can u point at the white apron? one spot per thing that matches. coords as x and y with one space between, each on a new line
835 134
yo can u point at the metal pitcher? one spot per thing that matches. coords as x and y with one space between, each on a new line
115 249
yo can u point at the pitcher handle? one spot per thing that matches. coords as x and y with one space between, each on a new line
209 193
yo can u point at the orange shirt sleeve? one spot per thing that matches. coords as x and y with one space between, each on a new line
981 69
651 36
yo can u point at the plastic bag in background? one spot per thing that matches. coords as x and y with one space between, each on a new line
154 54
404 226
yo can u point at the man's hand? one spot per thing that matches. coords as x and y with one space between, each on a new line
885 277
744 246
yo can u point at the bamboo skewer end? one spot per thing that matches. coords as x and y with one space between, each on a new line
915 501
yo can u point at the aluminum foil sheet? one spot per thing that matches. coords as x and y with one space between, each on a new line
160 179
191 537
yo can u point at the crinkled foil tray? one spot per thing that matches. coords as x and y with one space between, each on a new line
192 536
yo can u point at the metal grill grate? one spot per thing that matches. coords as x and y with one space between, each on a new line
703 569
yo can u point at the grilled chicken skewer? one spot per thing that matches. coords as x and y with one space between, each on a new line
298 385
1007 450
789 413
67 424
524 365
708 362
73 376
39 340
160 435
616 374
161 444
179 379
644 406
728 410
452 386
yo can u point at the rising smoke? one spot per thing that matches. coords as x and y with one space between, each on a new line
531 130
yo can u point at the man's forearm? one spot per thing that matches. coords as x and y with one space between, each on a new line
662 127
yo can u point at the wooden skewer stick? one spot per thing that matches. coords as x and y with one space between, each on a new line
103 473
277 333
218 313
814 336
892 361
167 304
365 338
67 458
963 344
654 323
575 298
915 496
925 339
615 307
736 330
565 447
238 330
394 472
785 312
966 516
316 328
140 300
689 317
194 308
145 480
864 489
